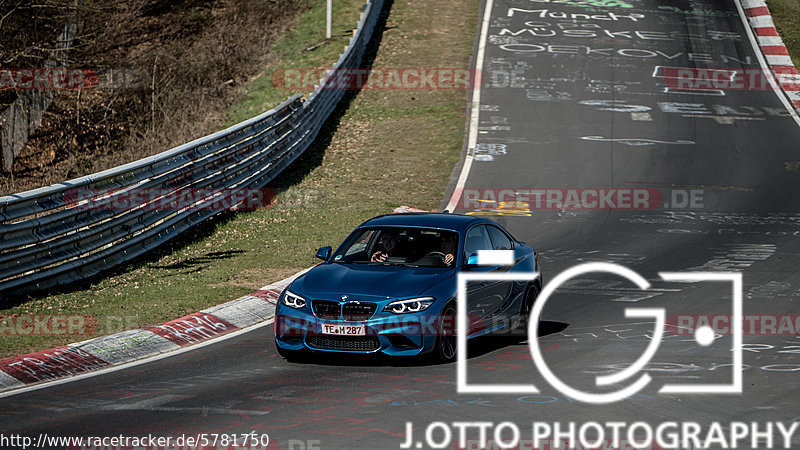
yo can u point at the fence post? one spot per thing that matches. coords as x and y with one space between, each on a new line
329 19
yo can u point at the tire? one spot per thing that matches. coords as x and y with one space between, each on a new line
445 349
286 354
527 305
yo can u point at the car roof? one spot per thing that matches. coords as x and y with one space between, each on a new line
455 222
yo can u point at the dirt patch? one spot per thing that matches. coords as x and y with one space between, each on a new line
182 63
253 278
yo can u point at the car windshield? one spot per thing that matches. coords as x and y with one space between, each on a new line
416 247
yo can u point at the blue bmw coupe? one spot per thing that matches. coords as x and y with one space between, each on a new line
390 288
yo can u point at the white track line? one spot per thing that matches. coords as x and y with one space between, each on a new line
474 111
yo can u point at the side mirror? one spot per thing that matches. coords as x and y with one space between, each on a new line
471 263
324 253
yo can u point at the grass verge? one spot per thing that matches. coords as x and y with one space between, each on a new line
379 150
786 15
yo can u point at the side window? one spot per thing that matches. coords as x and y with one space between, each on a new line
499 239
361 243
476 239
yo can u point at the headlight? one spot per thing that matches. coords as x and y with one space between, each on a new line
411 305
293 301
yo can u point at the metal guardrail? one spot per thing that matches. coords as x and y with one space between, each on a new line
47 238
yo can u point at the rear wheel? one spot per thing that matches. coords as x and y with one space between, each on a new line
445 349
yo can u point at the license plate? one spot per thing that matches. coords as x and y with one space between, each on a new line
340 329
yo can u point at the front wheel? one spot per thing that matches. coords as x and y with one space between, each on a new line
288 355
445 349
527 306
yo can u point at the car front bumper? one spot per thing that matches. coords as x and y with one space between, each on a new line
393 335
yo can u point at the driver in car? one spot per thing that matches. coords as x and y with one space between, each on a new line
387 242
448 246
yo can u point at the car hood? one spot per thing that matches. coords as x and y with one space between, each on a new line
333 279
